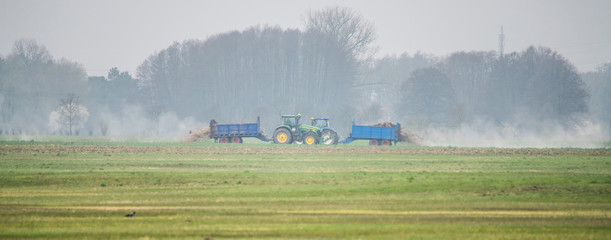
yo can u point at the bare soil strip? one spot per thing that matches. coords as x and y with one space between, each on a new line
62 149
557 213
544 213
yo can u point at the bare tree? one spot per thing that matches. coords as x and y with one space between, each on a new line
348 27
70 113
28 52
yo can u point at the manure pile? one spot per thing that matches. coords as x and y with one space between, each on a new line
404 134
207 132
197 135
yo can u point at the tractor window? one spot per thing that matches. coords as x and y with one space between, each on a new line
290 121
320 123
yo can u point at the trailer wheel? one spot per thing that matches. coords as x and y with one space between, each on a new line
224 140
385 142
310 138
236 140
282 136
373 142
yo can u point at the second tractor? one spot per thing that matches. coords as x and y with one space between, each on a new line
328 135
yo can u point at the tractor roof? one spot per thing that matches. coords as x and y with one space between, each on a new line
320 118
298 115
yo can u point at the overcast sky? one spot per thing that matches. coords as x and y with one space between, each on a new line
104 34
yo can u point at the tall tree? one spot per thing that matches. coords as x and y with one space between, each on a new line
352 32
346 38
28 53
26 87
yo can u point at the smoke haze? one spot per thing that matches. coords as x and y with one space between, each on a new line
551 135
328 61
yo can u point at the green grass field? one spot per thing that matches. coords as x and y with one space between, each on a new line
81 188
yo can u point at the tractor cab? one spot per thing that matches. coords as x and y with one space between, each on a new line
291 121
320 122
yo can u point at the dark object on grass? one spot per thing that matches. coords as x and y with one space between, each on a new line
131 214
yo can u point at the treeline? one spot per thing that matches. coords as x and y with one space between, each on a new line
324 70
31 84
239 75
531 88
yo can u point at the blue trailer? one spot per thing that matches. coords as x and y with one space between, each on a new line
233 133
377 135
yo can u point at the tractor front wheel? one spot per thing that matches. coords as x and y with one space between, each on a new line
282 136
310 138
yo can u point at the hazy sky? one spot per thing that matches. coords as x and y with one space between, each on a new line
103 34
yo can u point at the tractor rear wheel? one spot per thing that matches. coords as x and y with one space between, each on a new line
282 136
310 138
329 137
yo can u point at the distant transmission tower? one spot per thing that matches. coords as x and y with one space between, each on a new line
501 42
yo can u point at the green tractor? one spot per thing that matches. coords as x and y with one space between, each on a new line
328 134
292 132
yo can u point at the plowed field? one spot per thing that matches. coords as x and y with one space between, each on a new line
293 150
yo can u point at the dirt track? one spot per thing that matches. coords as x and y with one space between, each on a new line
273 149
